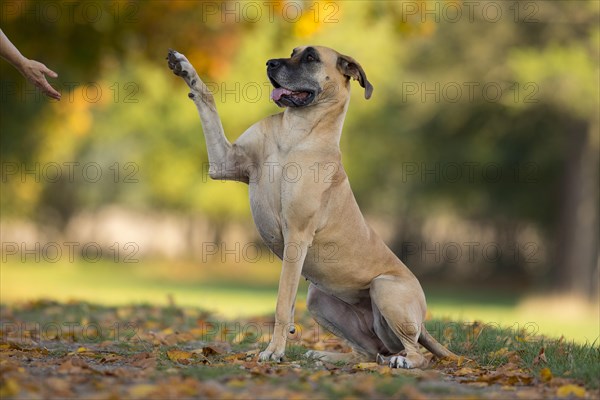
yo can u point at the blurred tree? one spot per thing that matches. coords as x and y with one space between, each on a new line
542 133
509 103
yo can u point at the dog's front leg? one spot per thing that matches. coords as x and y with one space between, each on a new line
294 255
225 159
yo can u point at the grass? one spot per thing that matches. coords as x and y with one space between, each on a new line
569 360
234 290
491 347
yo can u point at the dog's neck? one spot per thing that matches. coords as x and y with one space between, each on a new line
323 119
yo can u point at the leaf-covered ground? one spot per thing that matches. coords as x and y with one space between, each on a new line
80 350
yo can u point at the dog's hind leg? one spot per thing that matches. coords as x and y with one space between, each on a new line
399 310
353 323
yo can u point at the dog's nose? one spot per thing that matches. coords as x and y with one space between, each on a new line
272 64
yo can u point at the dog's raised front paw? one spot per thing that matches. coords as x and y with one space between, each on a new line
180 66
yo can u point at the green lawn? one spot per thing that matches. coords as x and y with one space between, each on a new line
242 291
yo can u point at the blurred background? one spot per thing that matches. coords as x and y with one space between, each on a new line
476 158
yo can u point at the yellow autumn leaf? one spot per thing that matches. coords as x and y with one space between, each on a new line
369 366
466 371
568 390
179 355
141 390
237 383
545 375
82 351
500 353
9 388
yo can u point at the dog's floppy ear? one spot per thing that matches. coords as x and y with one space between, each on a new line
352 69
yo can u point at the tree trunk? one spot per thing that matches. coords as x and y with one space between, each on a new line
577 247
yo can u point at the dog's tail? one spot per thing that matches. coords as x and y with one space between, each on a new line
434 346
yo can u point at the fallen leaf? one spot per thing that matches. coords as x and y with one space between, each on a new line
179 356
412 372
235 356
466 371
568 390
84 350
513 357
478 384
111 357
500 353
145 363
59 385
541 357
216 348
170 339
211 350
9 387
528 394
142 390
368 366
545 375
73 365
143 360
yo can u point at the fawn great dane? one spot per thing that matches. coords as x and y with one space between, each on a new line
306 213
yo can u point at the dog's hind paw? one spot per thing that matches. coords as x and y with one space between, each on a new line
400 362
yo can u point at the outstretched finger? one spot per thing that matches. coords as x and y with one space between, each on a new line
49 72
49 90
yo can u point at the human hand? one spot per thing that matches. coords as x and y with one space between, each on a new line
36 72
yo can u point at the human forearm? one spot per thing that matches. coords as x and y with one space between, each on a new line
10 53
32 70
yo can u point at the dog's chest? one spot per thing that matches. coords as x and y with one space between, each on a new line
266 214
282 195
265 203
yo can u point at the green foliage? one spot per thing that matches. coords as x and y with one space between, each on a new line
145 134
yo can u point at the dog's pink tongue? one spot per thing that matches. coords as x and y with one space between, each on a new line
278 92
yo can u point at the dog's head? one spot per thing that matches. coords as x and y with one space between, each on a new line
314 74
